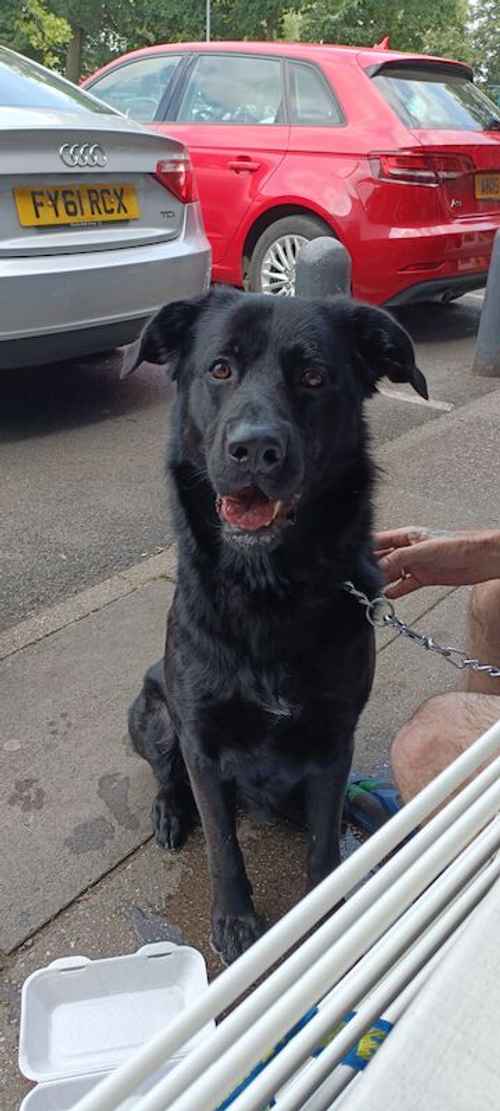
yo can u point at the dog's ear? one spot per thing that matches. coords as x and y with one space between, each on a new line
384 348
165 336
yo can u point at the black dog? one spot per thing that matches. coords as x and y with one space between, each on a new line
268 662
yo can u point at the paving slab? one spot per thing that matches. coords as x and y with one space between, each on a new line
77 811
160 566
443 474
154 894
73 799
405 677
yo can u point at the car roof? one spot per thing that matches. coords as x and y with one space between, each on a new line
367 57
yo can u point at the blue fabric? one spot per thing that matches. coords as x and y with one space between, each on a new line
357 1057
361 1053
369 803
260 1066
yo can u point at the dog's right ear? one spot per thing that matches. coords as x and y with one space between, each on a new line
165 336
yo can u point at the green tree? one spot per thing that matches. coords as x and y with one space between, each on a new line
426 26
92 21
88 33
239 19
486 39
46 32
33 29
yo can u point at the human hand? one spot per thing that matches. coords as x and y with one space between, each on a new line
415 557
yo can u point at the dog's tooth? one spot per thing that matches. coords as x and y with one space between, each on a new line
277 507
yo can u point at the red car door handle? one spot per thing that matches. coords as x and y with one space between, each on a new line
239 164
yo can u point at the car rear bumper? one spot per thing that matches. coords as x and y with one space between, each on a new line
423 263
438 289
64 306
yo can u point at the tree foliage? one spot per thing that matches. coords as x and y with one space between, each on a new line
423 26
486 38
34 29
136 23
77 36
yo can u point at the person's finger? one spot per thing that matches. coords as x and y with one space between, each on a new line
392 538
403 586
400 538
393 565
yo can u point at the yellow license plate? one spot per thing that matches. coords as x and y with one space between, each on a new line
487 187
75 204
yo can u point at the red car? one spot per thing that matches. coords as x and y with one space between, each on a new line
396 155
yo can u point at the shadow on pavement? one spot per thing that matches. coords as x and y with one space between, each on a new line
38 401
435 323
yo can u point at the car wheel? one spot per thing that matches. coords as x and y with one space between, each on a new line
272 265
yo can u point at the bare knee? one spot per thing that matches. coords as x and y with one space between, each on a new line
417 750
439 731
484 608
484 636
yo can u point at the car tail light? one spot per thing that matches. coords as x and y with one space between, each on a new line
419 168
176 175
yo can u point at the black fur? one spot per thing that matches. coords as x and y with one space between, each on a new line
268 662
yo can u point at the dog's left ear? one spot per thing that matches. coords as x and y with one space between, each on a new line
165 336
384 349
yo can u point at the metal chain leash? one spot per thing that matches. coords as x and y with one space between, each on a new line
381 614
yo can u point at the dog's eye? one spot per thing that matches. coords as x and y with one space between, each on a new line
220 370
312 379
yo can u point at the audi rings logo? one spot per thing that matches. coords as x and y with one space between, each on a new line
84 154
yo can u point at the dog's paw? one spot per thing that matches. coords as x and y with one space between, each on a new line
232 934
168 824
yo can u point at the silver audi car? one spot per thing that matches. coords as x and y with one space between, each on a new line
99 220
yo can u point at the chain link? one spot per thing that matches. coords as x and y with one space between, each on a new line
381 614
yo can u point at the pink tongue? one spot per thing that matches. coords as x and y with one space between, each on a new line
248 511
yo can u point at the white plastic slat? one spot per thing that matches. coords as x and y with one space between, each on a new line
215 1083
338 1079
375 1005
440 839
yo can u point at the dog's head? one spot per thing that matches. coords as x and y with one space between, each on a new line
271 393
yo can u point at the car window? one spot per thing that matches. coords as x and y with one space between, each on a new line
24 84
313 101
422 98
136 88
231 88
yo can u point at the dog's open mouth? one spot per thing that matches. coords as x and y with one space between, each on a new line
250 509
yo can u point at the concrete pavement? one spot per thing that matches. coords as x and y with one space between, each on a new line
80 872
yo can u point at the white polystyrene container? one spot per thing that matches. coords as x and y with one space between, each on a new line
82 1018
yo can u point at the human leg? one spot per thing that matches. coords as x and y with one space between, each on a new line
483 639
439 731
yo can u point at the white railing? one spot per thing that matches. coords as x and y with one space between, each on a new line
392 928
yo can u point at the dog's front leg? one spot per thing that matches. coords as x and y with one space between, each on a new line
235 925
325 791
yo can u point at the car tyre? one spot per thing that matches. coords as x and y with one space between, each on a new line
272 265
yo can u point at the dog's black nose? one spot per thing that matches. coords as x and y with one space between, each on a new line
260 448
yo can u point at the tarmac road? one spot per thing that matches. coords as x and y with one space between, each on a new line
82 494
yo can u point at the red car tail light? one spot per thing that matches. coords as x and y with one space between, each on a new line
176 174
450 166
419 168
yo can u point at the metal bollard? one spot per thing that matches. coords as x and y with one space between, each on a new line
323 269
487 353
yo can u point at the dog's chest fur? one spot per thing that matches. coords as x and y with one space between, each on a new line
269 676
